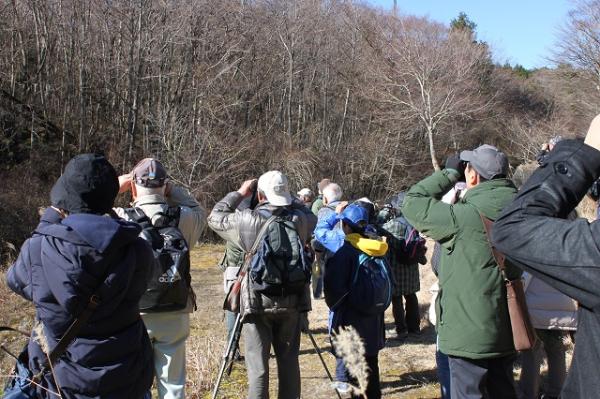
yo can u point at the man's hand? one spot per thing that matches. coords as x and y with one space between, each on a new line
341 206
454 162
247 187
125 182
545 147
593 135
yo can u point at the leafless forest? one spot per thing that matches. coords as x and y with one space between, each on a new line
222 90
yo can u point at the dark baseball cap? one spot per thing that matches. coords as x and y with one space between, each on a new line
149 172
487 160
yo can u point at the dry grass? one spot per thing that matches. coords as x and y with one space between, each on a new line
16 313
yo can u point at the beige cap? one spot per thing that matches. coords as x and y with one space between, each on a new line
274 185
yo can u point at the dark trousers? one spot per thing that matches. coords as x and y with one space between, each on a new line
443 372
373 385
482 378
551 343
409 320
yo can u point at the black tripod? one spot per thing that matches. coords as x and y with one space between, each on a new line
233 345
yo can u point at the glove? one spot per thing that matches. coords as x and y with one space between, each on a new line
454 162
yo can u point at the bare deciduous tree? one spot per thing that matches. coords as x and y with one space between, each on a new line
430 74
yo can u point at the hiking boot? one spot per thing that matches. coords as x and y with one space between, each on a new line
415 333
401 335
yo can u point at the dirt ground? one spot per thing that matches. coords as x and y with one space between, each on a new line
407 369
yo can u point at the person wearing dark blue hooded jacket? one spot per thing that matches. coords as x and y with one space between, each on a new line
346 244
78 249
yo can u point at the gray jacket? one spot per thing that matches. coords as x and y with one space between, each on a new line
241 229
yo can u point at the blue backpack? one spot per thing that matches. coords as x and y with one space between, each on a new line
371 289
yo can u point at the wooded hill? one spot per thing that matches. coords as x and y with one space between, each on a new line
223 90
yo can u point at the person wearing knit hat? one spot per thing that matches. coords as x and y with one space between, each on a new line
88 185
81 249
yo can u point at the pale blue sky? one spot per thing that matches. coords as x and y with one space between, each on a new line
519 31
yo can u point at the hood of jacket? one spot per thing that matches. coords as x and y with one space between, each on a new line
82 252
102 233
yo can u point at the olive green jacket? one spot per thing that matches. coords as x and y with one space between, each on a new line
472 312
317 205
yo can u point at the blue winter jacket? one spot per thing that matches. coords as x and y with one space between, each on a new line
58 269
337 281
328 234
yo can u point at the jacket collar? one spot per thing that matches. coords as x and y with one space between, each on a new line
490 197
150 199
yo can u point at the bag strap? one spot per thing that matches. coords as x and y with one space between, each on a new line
499 257
261 234
94 301
174 213
257 241
74 328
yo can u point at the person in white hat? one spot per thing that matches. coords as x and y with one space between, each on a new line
268 320
307 196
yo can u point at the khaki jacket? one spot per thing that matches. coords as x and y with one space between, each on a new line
241 228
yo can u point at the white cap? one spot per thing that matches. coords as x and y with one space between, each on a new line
274 185
305 191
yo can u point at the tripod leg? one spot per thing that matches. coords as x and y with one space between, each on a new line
312 339
229 354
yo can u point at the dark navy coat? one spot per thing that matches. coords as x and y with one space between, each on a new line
58 269
337 280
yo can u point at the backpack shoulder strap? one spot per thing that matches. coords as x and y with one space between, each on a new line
137 215
261 234
174 214
362 259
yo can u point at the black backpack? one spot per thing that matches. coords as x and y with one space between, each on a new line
281 265
170 281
